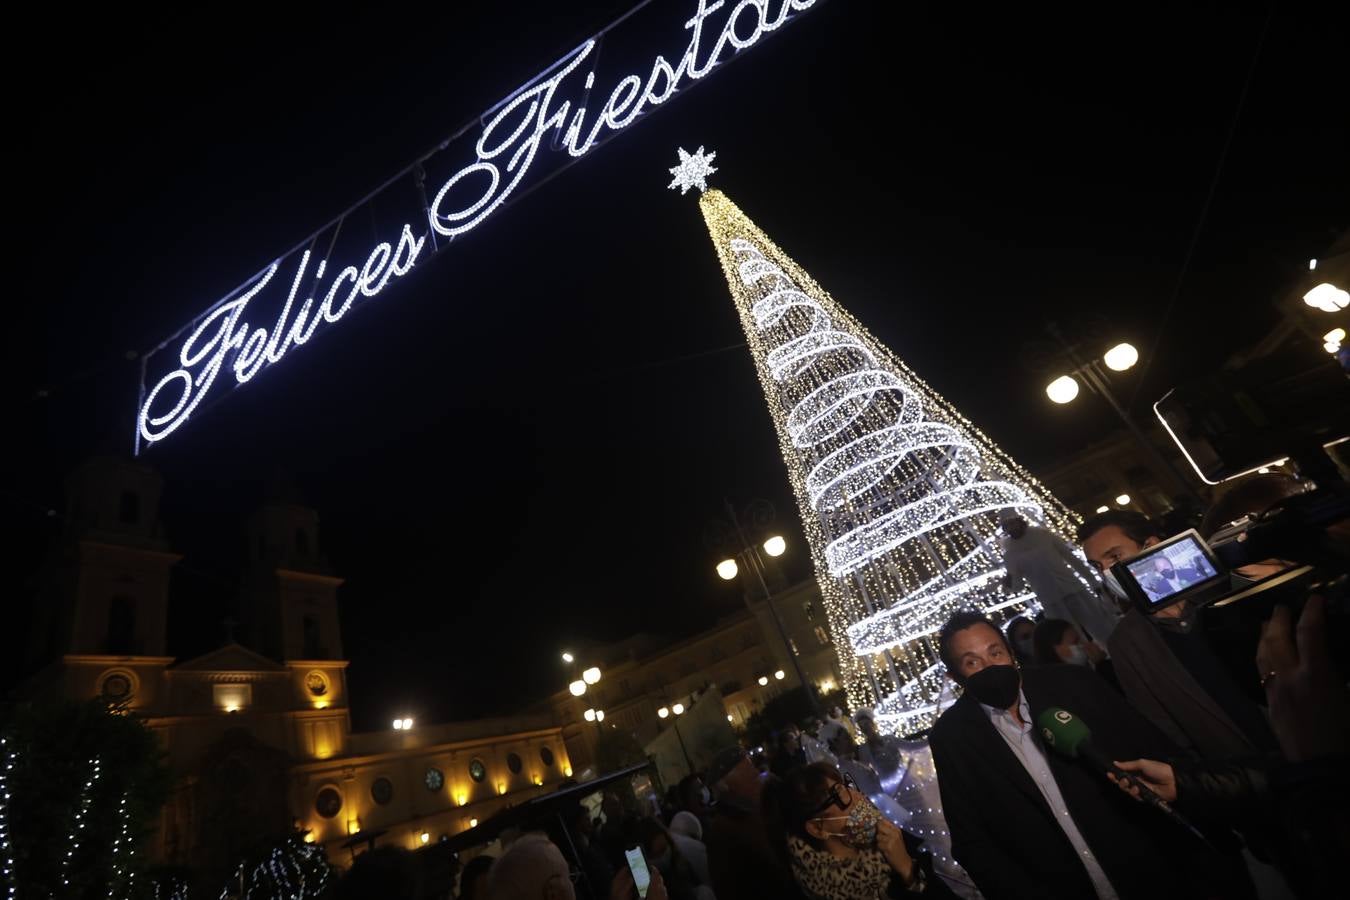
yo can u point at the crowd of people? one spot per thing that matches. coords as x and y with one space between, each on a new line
1098 750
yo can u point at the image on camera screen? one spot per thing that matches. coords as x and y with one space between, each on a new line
1174 568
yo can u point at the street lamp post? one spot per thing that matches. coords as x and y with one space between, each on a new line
577 688
1119 358
677 710
775 545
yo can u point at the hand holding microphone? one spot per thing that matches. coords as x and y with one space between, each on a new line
1069 735
1159 777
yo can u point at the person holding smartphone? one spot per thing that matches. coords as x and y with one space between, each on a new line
625 883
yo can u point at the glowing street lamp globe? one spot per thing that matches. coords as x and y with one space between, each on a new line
567 657
577 688
775 546
727 569
591 675
1102 509
763 680
1121 357
677 709
1327 297
662 712
599 715
1123 500
1062 390
589 715
780 675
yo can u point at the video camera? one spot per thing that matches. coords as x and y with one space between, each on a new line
1286 404
1300 535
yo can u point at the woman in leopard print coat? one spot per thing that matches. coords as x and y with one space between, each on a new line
838 846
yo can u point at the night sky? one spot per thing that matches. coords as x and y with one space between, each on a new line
525 444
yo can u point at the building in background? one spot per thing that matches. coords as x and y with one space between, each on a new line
259 737
1116 466
742 657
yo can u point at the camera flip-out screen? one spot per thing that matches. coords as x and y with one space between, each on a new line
1179 568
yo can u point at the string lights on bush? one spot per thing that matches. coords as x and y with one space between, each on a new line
6 849
900 495
293 870
81 818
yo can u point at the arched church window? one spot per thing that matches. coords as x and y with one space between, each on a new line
328 803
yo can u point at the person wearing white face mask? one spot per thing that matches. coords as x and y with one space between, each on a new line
1056 642
837 845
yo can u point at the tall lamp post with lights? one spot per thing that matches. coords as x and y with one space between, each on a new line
749 554
674 711
577 687
1120 358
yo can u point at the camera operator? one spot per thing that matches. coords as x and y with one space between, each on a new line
1197 683
1302 797
1251 496
1165 662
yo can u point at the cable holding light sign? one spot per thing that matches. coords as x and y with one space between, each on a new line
228 345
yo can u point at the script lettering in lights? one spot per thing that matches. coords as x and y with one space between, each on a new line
299 294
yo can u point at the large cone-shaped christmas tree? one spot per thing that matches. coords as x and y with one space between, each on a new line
900 494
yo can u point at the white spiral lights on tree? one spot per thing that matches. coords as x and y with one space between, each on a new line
899 494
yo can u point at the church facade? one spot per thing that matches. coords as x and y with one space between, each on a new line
259 737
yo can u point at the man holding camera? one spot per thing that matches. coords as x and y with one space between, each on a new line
1164 660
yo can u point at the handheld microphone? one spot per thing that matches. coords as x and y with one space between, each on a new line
1069 736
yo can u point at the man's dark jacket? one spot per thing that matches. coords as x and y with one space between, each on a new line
1002 830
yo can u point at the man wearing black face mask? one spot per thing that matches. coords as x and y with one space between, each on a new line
1028 823
1166 579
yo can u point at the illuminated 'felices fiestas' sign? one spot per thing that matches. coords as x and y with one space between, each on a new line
323 279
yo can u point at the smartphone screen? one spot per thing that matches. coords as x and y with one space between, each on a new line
637 864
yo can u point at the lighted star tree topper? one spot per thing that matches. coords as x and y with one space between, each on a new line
899 493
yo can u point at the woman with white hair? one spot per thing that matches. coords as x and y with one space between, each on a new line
687 833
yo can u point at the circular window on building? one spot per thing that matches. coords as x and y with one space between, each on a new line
513 763
382 791
316 683
434 779
546 755
116 687
477 771
328 803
